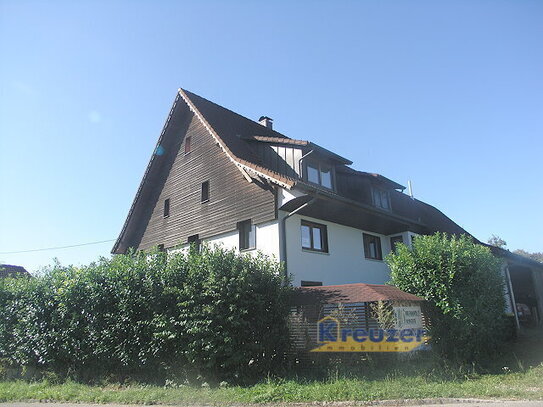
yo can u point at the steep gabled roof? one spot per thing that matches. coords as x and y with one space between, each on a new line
235 134
378 177
229 128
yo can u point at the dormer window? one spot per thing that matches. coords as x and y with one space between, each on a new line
381 198
319 173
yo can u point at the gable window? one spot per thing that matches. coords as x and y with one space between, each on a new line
167 207
319 173
205 191
194 242
314 237
381 198
187 144
372 247
247 235
394 240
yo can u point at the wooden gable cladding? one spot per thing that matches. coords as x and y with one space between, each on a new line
280 158
232 198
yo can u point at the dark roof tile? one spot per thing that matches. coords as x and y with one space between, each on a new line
350 293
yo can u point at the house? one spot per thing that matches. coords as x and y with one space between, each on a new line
9 270
218 177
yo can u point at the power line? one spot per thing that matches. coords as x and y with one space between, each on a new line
59 247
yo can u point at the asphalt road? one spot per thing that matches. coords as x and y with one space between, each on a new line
390 403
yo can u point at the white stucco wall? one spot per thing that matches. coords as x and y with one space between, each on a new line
267 240
345 261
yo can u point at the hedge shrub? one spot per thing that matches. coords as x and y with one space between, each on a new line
464 287
213 316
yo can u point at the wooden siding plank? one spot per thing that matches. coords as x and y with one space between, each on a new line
232 197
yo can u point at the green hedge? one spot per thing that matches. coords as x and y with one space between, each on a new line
212 316
464 289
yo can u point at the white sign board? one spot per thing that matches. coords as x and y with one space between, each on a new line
407 317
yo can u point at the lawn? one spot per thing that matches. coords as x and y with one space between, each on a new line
519 385
517 374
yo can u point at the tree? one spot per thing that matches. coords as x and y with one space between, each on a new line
497 241
463 286
538 256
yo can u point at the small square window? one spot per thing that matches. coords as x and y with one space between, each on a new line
161 248
372 247
305 283
194 242
314 236
326 177
205 191
187 144
247 235
167 207
313 174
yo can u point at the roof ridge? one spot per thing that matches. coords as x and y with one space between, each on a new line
231 111
242 164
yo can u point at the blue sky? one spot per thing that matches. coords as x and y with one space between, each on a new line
446 94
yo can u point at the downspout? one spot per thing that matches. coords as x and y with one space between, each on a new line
300 163
284 233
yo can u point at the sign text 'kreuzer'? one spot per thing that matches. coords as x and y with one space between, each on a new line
333 338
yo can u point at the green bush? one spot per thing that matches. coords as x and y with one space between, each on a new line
464 288
213 316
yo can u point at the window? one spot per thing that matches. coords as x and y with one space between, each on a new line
187 144
161 248
205 191
394 240
372 247
311 283
194 242
247 235
167 207
326 177
314 237
319 173
381 198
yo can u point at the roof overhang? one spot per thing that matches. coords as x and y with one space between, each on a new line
335 208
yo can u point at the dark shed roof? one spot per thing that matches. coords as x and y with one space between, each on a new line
8 270
349 293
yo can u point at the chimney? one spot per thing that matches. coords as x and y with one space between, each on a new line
266 121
